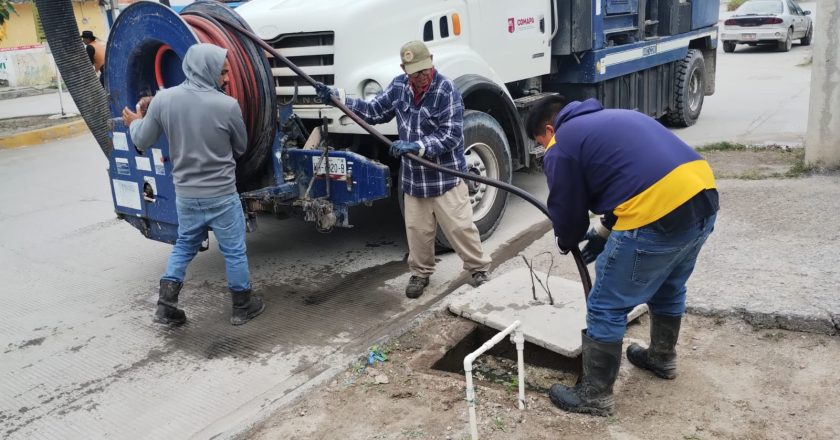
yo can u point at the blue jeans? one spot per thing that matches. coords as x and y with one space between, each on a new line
643 265
225 217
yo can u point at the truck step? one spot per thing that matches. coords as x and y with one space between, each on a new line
528 101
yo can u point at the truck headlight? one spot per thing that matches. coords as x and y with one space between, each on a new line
370 89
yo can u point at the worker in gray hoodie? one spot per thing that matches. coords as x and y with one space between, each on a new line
206 134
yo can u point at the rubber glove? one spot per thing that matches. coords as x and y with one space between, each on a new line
325 93
594 246
398 148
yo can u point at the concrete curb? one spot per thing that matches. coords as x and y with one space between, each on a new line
826 324
43 135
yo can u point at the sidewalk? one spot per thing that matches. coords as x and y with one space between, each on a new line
35 110
772 259
46 104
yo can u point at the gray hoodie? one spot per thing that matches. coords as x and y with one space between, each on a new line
204 127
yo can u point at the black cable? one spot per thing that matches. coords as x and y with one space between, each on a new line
528 197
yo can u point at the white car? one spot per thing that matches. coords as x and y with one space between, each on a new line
776 22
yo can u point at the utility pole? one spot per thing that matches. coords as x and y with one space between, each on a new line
822 142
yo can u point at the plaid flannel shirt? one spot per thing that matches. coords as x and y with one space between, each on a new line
436 124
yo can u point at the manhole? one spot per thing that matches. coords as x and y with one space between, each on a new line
497 366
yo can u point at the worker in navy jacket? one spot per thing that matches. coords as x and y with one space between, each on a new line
659 202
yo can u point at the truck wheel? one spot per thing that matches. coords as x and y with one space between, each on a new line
728 47
785 46
689 90
806 40
488 154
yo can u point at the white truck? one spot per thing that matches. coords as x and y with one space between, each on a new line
656 56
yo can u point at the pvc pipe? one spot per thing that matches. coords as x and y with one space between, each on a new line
519 339
468 367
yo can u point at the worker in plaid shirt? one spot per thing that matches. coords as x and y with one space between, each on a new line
430 116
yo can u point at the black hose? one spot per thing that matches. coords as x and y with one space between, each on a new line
62 34
528 197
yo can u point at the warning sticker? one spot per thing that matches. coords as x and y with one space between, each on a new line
122 166
127 194
120 141
143 163
157 156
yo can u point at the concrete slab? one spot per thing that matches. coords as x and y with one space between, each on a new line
507 298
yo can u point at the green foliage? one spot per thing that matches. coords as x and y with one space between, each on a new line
499 424
6 11
734 4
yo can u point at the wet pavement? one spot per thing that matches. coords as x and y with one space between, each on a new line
81 359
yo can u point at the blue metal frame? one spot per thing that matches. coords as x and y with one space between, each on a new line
365 182
588 68
134 39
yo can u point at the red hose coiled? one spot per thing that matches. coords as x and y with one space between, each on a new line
242 84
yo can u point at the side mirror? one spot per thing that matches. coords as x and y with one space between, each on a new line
806 12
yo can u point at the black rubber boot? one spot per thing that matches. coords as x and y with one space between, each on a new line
415 287
593 393
661 357
245 307
167 305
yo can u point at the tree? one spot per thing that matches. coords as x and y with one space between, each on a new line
6 10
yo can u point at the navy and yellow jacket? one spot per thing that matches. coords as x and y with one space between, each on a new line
618 162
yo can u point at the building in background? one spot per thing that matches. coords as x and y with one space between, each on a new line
24 59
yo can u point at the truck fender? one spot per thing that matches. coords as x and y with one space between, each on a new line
483 94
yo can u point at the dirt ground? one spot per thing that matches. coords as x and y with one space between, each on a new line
12 126
734 382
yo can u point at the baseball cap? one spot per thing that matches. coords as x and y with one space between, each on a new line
415 57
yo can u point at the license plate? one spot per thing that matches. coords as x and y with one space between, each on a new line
748 36
338 166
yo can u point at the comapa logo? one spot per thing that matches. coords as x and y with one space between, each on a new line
520 24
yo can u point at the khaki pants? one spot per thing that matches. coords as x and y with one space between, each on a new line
453 212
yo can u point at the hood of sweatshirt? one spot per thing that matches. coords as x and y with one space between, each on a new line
575 109
203 65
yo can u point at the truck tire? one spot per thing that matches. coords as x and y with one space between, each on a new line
806 40
488 154
689 90
728 47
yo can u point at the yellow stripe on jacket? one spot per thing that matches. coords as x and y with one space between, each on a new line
550 143
667 194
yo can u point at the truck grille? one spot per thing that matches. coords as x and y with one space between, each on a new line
314 53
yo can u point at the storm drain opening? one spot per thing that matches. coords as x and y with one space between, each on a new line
497 367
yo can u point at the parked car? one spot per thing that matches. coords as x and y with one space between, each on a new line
776 22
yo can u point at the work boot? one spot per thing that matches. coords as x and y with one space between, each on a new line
415 287
245 307
480 278
167 305
661 357
593 394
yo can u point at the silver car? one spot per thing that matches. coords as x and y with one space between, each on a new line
776 22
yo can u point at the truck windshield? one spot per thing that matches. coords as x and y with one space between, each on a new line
760 8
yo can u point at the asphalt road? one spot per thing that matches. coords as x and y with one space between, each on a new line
79 357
